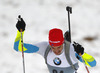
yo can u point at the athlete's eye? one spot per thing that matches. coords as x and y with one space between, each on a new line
59 47
52 47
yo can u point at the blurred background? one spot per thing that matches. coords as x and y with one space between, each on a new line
41 16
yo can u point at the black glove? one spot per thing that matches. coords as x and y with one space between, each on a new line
20 24
78 48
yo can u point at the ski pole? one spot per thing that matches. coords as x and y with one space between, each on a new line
19 18
69 10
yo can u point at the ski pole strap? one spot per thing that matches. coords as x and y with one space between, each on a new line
46 53
67 54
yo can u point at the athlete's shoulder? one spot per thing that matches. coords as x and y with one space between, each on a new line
44 43
42 47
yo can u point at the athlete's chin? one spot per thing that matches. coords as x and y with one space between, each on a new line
57 53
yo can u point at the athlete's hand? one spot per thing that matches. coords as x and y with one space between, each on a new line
20 25
78 48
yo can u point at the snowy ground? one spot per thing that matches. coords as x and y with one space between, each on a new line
41 16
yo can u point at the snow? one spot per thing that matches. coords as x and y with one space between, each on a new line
41 16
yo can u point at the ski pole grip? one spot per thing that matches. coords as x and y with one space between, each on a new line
69 9
19 18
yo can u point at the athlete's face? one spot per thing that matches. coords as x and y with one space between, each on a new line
57 49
